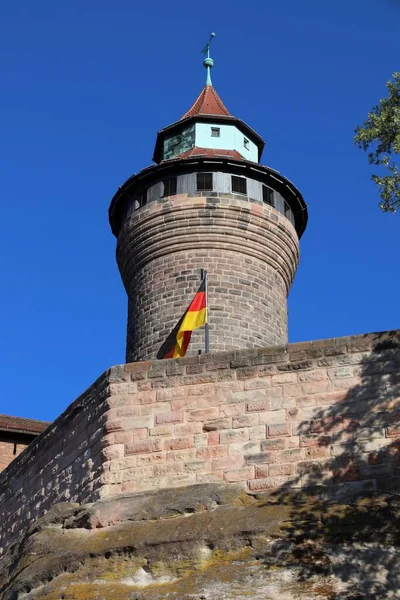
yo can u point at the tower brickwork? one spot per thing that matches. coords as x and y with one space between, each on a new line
250 253
209 204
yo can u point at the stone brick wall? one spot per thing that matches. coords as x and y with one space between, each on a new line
323 413
63 463
249 250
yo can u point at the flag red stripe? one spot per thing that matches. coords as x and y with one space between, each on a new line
198 302
186 341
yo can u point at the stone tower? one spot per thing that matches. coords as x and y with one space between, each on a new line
207 203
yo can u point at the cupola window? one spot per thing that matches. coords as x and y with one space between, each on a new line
239 185
246 143
142 199
268 195
169 186
204 182
215 131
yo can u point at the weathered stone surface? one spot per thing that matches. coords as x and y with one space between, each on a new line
206 543
155 505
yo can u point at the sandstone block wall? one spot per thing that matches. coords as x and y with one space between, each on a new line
63 463
323 413
250 251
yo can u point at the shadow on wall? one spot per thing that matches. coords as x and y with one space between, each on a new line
364 531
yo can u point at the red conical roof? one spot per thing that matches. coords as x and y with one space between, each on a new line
208 103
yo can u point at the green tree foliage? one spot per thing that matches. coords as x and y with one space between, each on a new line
380 135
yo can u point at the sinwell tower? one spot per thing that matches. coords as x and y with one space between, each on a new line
209 204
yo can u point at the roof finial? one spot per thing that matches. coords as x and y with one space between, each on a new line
208 62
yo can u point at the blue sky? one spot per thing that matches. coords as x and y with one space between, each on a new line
85 86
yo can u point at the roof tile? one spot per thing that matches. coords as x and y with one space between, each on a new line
208 103
21 425
207 153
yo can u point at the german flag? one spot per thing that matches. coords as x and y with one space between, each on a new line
178 340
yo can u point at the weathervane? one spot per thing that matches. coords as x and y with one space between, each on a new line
208 62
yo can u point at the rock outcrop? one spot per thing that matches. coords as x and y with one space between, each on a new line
208 542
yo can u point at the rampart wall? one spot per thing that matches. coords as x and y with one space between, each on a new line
324 413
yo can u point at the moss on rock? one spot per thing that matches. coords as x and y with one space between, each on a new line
239 547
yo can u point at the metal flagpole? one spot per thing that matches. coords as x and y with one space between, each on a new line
206 330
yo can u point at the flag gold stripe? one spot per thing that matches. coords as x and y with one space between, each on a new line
193 320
